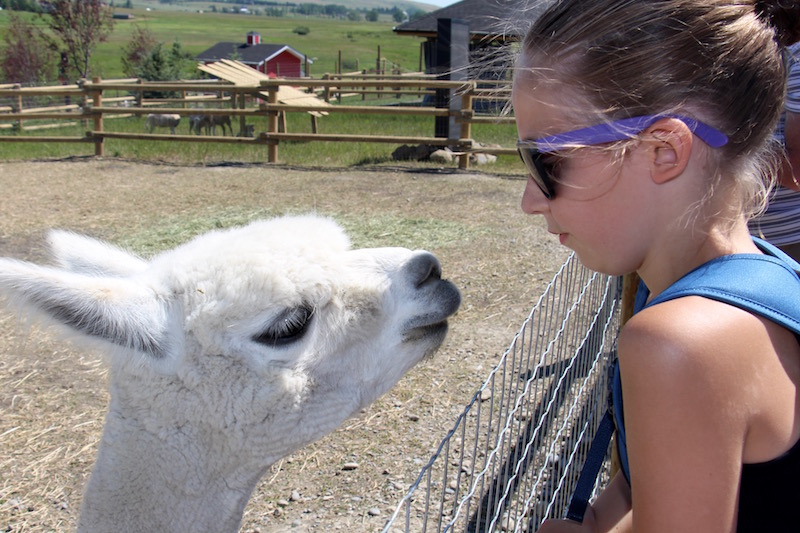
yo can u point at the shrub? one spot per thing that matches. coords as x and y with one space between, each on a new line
301 30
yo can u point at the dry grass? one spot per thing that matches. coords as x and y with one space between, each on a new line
53 398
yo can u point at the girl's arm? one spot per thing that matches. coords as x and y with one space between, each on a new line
609 513
684 367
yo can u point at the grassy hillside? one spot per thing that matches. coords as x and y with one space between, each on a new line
357 41
192 5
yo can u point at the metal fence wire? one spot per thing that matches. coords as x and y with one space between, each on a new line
513 456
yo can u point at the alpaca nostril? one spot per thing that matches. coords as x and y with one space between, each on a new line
423 267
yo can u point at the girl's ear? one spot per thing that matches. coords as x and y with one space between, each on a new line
671 141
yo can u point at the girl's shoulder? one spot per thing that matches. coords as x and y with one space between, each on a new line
691 338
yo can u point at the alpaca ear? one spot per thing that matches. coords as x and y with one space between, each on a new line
81 254
109 310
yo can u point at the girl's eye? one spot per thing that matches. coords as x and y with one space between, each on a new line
289 327
552 162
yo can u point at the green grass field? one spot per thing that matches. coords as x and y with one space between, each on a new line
358 42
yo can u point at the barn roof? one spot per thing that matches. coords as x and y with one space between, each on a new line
486 18
247 53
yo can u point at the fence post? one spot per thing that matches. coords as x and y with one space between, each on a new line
84 102
242 118
19 106
466 129
272 124
326 91
97 102
379 72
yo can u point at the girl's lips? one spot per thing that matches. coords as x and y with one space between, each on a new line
561 236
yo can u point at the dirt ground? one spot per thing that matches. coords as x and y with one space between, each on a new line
53 398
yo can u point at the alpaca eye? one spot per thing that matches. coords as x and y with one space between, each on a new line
289 327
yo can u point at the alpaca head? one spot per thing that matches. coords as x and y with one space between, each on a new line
246 343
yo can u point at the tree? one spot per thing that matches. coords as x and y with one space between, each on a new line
78 27
372 15
141 45
21 5
26 58
163 65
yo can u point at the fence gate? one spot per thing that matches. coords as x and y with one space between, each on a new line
514 454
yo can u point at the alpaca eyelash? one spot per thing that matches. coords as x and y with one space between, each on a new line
289 327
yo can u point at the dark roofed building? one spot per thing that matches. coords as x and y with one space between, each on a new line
489 20
491 23
275 60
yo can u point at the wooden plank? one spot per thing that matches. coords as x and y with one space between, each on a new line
181 138
167 111
225 73
44 139
366 110
336 137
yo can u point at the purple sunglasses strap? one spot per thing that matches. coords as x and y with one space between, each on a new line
624 129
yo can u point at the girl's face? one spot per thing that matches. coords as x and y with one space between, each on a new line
594 210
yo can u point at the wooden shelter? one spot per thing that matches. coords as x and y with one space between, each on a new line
238 73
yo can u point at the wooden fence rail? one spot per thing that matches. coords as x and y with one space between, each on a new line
98 99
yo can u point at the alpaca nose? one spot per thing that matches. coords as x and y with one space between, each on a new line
423 267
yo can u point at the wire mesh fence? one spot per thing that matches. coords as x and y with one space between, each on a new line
515 452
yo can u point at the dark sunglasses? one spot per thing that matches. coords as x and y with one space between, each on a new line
533 153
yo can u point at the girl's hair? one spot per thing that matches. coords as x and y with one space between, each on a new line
719 61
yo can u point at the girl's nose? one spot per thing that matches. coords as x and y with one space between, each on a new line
533 199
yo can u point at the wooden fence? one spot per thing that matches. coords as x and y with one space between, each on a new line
93 101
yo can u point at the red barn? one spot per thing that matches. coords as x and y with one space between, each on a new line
274 60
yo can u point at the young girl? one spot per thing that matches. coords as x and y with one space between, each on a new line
645 126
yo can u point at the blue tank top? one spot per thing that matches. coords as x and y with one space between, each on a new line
766 285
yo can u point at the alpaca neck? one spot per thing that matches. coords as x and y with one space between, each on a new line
146 482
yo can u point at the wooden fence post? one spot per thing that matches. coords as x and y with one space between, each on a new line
630 284
97 103
84 102
363 88
326 90
272 125
242 118
466 130
19 106
379 71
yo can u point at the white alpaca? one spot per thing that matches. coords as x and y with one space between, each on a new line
161 121
228 353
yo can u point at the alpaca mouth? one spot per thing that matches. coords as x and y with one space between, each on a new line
432 326
426 331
